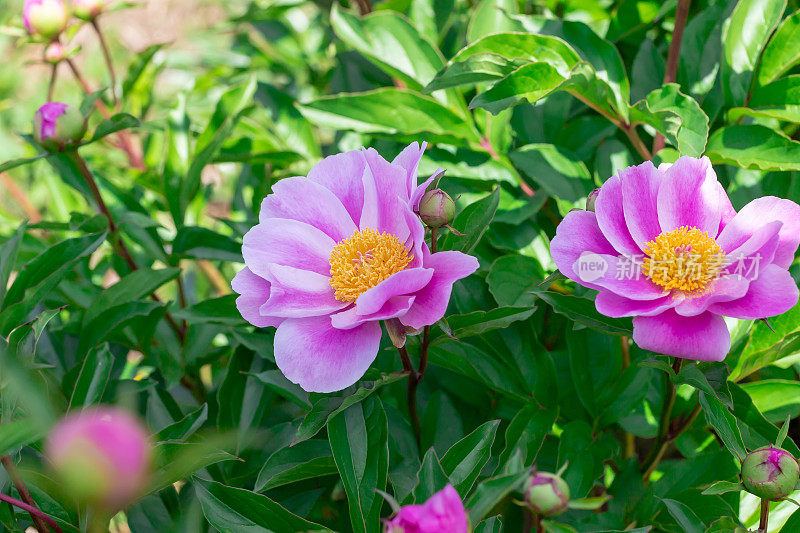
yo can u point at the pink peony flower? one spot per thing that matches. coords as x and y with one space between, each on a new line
666 247
334 254
56 125
101 456
45 18
443 512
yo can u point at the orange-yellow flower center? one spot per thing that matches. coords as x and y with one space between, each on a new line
364 260
685 259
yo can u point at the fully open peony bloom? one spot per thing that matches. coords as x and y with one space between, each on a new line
334 254
443 512
666 247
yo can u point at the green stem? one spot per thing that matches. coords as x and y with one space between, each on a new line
764 519
25 494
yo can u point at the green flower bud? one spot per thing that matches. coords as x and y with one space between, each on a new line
770 473
591 199
57 125
546 494
436 208
45 18
87 9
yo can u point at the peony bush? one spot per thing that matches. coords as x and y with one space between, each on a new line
399 266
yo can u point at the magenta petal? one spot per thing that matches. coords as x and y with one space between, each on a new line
321 358
419 192
578 233
760 212
298 293
760 246
409 159
431 302
254 292
442 513
703 337
618 279
287 242
640 186
392 308
341 174
302 199
404 282
416 238
608 208
385 191
614 305
689 196
724 289
773 292
727 211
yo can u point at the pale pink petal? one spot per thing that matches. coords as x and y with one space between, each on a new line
287 242
689 196
760 246
419 192
409 159
392 308
341 174
640 186
614 305
762 211
703 337
772 293
254 292
406 281
578 233
321 358
608 208
390 192
618 277
722 290
297 293
302 199
431 302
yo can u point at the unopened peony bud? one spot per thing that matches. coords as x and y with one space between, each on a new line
443 512
45 18
436 208
57 125
546 494
591 199
101 457
88 9
770 473
54 53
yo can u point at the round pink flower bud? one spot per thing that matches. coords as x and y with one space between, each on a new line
45 18
88 9
54 53
591 199
101 457
57 125
442 512
770 473
546 494
436 208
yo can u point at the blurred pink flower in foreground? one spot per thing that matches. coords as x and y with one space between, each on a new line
667 247
101 456
443 512
334 254
45 18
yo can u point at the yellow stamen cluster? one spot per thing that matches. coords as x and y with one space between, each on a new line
685 259
364 260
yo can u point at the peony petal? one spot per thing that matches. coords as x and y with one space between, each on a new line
298 293
727 211
388 182
640 185
703 337
578 233
409 159
302 199
431 302
722 290
760 246
419 192
616 306
254 292
321 358
689 196
341 174
404 282
608 208
622 275
773 292
287 242
392 308
760 212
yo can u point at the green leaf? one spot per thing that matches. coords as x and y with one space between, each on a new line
527 432
782 52
14 163
783 432
511 279
677 116
306 460
490 492
203 243
722 487
9 251
684 516
185 427
779 100
560 173
773 394
491 17
724 423
764 345
472 222
479 322
178 460
220 310
474 69
119 122
753 146
743 38
529 83
113 320
133 286
582 310
392 112
275 380
359 442
589 504
329 406
431 477
464 461
93 378
229 510
18 433
757 431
